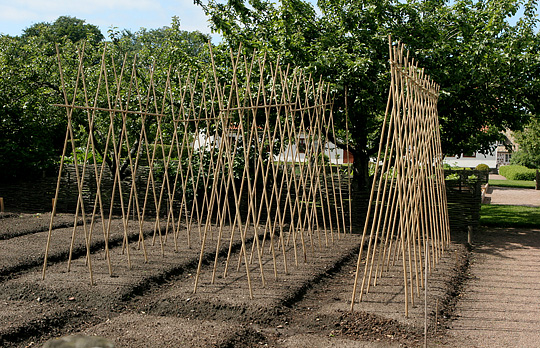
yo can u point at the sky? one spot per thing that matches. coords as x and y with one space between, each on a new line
17 15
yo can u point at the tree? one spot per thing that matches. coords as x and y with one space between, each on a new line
332 46
32 129
528 140
483 65
468 47
65 27
169 45
157 48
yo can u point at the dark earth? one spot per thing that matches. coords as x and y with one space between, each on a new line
153 304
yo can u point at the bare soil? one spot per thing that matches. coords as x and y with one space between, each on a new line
153 304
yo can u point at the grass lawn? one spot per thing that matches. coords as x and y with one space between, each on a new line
509 216
512 183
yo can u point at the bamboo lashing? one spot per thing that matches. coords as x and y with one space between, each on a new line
407 219
177 140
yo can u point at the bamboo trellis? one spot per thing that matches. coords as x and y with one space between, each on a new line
249 154
407 218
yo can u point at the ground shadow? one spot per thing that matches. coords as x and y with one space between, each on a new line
496 241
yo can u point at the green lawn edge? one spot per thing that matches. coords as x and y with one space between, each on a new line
509 216
512 183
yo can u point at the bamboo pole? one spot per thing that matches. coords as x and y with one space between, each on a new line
280 107
68 111
410 213
366 224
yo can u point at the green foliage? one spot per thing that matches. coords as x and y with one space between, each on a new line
464 177
472 178
509 216
477 103
82 156
166 46
65 27
331 46
33 130
347 45
529 175
457 168
512 183
453 176
517 172
482 166
343 42
529 145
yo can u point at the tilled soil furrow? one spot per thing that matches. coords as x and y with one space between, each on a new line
378 319
15 225
150 302
131 330
27 251
169 303
21 332
227 300
109 294
229 297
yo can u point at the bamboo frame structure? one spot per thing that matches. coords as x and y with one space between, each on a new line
407 219
212 155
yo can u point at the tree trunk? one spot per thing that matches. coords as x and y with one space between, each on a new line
361 170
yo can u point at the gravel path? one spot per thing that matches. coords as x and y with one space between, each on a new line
501 306
513 196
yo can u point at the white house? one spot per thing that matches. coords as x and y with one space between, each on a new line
472 160
499 156
297 153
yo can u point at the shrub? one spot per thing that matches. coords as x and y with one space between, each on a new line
527 176
453 176
517 172
483 167
472 178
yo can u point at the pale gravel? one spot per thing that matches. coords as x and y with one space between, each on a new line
511 195
501 305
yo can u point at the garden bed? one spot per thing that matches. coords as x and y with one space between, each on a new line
152 304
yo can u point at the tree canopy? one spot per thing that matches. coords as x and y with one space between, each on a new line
32 129
484 65
65 27
528 154
487 67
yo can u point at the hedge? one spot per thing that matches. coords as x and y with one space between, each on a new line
482 166
517 172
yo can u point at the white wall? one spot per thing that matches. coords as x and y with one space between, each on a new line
335 154
471 162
